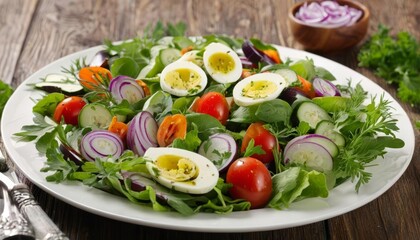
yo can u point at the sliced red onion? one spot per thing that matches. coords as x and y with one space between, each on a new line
328 14
254 55
324 88
291 94
325 142
312 155
123 87
71 154
246 63
142 133
101 144
100 59
140 182
221 149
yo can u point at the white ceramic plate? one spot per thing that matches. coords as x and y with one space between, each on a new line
341 199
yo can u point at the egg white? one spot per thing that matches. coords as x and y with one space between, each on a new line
219 76
206 180
244 101
180 92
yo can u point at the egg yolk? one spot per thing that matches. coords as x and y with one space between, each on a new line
259 89
183 78
176 168
221 62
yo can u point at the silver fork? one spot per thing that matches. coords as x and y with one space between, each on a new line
12 223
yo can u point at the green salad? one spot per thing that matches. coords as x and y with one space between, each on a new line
206 124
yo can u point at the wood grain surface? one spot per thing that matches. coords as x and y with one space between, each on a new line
34 33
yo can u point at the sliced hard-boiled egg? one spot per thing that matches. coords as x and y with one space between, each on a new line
222 63
183 78
258 88
182 170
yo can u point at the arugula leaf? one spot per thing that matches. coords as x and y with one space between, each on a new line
5 93
395 59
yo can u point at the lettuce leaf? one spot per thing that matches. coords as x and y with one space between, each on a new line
296 184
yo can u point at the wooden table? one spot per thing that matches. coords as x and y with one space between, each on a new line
34 33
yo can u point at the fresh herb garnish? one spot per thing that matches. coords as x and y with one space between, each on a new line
364 126
395 59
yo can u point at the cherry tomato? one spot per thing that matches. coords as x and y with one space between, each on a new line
172 127
214 104
69 108
250 180
262 137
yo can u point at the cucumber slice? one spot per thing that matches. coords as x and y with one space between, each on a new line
327 129
60 83
155 50
309 154
311 113
95 116
169 55
287 74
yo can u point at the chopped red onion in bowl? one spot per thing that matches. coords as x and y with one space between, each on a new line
328 14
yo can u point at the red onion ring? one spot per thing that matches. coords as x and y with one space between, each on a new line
328 14
142 133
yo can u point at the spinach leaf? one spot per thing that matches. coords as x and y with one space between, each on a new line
125 66
46 106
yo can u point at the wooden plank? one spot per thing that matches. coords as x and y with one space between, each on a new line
15 19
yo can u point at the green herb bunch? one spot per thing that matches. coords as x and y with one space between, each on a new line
395 59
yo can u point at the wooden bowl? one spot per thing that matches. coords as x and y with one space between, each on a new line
324 39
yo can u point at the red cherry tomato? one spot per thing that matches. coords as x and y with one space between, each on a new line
250 180
69 108
214 104
262 137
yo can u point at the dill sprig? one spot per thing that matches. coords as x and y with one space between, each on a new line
75 67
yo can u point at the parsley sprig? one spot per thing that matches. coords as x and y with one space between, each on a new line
369 129
395 59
